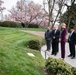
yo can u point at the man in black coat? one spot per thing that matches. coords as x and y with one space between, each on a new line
72 40
48 37
55 40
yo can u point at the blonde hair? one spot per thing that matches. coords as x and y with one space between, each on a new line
63 24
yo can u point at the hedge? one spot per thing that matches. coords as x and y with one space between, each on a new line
59 67
36 43
33 25
18 25
11 24
0 23
74 70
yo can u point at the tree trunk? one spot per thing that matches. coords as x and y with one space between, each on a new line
69 19
49 6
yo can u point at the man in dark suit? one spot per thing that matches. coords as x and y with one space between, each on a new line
55 40
48 37
72 40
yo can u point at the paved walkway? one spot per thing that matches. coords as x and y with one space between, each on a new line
48 54
37 33
67 59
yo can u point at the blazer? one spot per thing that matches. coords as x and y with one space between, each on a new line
72 38
55 36
48 35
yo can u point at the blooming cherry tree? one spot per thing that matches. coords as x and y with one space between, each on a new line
28 13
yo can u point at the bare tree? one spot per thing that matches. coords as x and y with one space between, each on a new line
72 2
52 7
59 11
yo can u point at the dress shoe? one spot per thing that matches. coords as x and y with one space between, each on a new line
69 55
73 57
55 54
52 54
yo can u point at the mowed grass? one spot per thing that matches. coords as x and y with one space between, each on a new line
13 54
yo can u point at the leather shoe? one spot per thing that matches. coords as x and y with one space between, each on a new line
69 55
55 54
73 57
52 54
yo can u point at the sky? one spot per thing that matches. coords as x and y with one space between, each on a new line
8 4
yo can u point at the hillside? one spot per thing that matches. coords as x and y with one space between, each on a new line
13 54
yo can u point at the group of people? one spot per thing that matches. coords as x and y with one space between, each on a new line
54 36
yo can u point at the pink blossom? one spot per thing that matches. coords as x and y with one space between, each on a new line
28 12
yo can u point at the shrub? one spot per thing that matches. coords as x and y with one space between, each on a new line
35 43
59 67
33 26
74 70
11 24
0 23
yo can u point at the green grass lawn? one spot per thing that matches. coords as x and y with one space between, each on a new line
13 54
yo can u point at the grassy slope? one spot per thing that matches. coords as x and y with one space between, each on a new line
13 54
